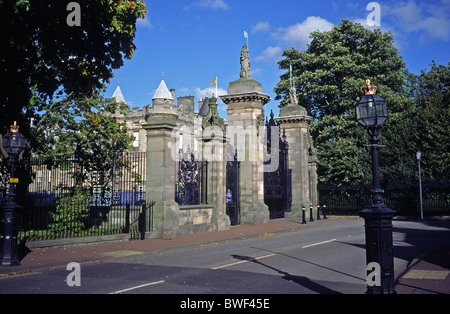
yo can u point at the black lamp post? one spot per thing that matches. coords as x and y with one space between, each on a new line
13 143
371 112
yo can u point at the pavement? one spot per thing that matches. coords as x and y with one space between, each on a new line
427 274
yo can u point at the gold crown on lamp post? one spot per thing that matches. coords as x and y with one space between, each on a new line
369 89
14 128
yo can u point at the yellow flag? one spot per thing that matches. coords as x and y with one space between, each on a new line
214 81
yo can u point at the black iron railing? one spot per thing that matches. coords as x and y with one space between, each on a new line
108 201
401 197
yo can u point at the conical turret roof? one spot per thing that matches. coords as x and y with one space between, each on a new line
203 112
118 95
162 92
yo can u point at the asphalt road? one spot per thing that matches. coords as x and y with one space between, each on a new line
324 259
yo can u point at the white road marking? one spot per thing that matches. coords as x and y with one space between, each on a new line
138 287
232 264
265 256
319 243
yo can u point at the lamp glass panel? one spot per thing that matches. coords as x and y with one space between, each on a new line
14 143
371 110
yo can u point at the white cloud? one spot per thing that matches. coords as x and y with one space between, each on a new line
270 54
363 22
209 91
208 4
261 27
429 20
184 91
145 22
257 72
298 34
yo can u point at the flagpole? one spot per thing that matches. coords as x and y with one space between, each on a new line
217 82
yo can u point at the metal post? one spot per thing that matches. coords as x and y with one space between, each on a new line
127 218
318 212
142 221
311 219
371 112
9 248
420 188
378 231
303 215
324 213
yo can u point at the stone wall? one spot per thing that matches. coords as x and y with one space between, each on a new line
195 219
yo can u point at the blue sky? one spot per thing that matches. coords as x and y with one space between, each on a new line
193 41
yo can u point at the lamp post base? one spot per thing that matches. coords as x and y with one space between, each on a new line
379 249
10 261
9 246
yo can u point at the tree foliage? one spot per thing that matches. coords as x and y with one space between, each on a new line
329 76
84 128
43 58
433 101
52 75
330 73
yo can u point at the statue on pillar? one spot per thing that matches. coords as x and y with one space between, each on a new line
312 151
293 96
292 90
245 63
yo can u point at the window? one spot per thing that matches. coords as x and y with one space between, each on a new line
136 139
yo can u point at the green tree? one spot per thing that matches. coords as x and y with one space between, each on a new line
52 75
329 76
433 101
43 58
85 129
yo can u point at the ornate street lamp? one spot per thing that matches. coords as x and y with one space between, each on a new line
13 143
371 112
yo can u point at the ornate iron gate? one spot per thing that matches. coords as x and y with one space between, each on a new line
192 175
277 184
232 197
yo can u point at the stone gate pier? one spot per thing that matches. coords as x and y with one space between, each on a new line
246 100
175 132
294 121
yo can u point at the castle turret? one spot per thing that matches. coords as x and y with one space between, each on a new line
162 95
118 95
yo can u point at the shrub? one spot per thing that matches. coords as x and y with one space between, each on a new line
72 209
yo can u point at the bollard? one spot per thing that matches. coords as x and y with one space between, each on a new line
127 219
318 212
303 215
142 220
324 212
311 219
